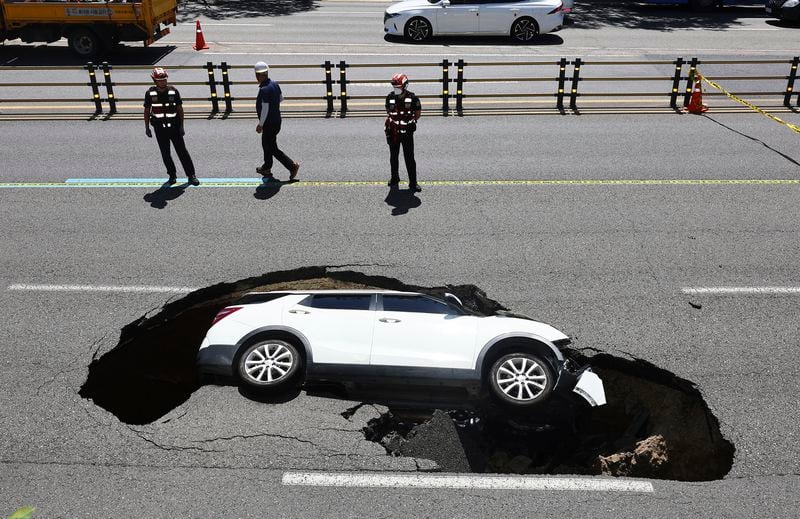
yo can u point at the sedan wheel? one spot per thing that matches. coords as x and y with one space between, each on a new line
418 29
521 379
269 363
524 29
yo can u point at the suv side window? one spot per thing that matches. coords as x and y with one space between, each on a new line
339 301
417 304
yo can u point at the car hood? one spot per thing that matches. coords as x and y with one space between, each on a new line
499 325
406 5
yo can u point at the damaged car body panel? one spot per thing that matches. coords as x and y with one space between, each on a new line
418 346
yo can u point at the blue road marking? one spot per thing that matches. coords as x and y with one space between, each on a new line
155 180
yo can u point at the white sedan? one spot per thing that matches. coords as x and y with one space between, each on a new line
418 20
416 343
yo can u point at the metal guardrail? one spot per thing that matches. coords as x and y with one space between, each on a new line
561 86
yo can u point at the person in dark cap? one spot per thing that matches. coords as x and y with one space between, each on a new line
268 108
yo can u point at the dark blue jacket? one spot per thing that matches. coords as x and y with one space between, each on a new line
270 92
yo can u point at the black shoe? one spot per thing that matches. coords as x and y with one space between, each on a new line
171 180
394 182
415 188
293 171
193 181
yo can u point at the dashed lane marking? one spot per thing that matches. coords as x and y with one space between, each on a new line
254 182
100 288
587 484
724 291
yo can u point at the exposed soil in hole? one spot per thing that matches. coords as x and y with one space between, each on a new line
655 424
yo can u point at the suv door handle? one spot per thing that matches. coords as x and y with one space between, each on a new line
298 312
388 320
473 10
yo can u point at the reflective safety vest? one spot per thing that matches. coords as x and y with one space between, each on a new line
163 106
401 109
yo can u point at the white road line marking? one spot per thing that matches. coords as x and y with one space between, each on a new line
100 288
207 24
448 48
331 479
443 54
741 290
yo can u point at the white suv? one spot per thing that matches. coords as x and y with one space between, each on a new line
404 340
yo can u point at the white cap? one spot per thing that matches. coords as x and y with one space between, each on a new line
261 67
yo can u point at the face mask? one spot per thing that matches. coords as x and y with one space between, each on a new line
398 91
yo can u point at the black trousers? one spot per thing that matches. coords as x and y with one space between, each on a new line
172 134
407 141
269 141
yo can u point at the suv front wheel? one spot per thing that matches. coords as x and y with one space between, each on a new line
521 379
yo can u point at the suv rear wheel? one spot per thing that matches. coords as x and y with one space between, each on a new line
521 379
269 363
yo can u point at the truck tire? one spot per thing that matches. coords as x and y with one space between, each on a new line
84 42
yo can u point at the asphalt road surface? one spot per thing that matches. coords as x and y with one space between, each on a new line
624 231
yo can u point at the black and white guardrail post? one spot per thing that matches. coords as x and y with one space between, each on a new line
676 83
343 87
445 87
98 105
576 77
329 86
460 87
687 94
562 77
787 98
226 87
212 86
112 102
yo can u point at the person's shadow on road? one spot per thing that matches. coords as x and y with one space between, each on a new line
402 200
163 195
269 188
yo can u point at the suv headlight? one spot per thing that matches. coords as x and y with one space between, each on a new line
386 16
791 3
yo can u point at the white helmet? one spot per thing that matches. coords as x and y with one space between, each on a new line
261 67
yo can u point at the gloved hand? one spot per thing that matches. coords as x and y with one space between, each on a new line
148 132
183 131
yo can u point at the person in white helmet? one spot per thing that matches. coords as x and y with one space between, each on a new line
268 108
163 109
403 110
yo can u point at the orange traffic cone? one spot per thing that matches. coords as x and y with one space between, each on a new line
696 105
200 42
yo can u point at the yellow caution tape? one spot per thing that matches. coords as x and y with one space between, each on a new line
753 107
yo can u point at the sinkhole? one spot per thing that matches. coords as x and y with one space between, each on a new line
655 424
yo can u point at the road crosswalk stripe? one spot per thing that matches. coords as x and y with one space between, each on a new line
741 290
336 479
21 287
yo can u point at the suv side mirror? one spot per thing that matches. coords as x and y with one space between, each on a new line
448 295
446 3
